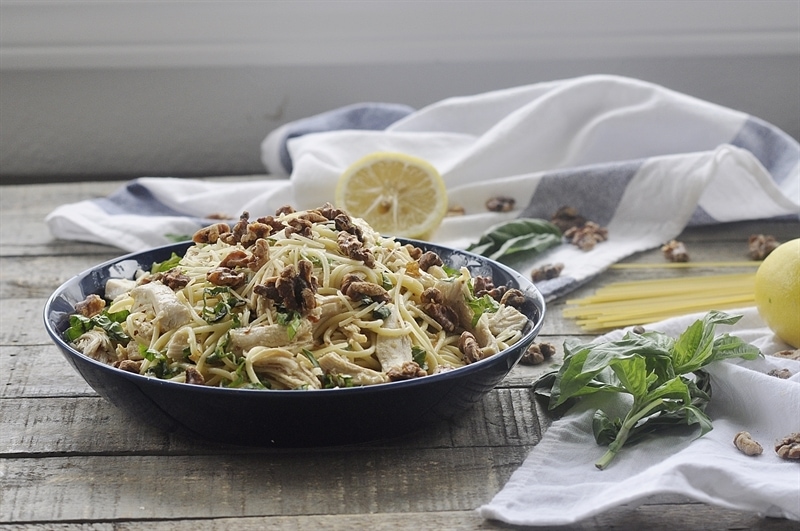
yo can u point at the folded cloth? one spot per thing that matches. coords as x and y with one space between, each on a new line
642 160
558 483
374 116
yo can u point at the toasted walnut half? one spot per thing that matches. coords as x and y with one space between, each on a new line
789 447
294 288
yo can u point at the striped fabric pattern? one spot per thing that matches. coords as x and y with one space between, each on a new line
635 157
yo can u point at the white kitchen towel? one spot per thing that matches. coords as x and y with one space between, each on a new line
637 158
558 483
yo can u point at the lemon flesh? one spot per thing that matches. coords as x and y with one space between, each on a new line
777 291
397 194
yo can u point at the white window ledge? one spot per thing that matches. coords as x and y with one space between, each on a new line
139 34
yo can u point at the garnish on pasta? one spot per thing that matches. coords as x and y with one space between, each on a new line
300 300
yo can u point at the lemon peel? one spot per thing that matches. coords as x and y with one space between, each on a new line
777 291
396 193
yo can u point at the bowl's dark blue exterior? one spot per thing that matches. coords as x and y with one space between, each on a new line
288 418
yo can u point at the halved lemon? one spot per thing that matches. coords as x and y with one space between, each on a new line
396 193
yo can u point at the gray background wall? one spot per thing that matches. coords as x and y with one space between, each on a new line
114 90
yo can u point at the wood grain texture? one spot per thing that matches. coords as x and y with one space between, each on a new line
71 461
81 425
355 480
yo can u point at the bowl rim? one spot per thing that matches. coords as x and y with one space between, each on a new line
455 374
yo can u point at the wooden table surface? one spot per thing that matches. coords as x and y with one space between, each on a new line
70 460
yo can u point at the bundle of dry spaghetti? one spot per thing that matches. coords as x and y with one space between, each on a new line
639 302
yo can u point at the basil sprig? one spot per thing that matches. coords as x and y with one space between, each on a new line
664 376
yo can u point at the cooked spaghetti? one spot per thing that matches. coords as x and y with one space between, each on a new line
300 300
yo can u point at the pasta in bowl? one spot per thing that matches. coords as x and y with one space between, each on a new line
284 322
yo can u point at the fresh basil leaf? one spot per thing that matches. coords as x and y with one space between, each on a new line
632 374
533 243
523 235
484 248
582 363
604 429
675 388
727 346
695 347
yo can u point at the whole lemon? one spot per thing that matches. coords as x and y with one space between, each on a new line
777 291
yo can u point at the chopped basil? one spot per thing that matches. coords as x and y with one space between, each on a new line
310 355
331 381
291 320
481 305
220 351
212 315
420 357
451 271
381 312
110 322
159 363
166 265
223 307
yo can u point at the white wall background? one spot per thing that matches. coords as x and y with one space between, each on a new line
117 88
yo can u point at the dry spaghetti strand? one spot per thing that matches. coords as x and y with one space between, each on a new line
645 301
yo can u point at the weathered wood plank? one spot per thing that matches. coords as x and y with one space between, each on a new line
90 488
34 242
91 426
685 517
654 517
21 322
23 210
39 199
38 276
38 371
270 486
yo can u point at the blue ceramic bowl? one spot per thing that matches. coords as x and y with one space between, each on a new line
322 417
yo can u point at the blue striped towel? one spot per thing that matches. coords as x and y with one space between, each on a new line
637 158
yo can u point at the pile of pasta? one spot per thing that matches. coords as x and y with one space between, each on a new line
299 300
